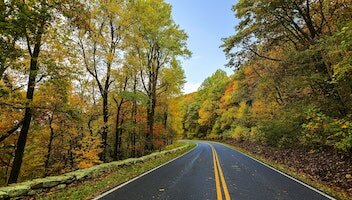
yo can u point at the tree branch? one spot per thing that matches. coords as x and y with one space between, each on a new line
9 132
262 56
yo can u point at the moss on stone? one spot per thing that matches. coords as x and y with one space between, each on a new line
51 181
61 186
3 195
34 192
15 190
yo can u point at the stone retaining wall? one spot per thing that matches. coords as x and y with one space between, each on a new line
40 185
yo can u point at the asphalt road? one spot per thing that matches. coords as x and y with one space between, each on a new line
215 172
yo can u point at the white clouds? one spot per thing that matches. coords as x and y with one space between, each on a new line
190 87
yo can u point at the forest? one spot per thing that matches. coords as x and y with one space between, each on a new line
85 82
292 84
289 100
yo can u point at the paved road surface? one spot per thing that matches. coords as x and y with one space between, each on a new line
215 172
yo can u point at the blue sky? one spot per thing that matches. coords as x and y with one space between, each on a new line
206 22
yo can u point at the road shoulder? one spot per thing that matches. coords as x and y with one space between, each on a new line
94 187
303 179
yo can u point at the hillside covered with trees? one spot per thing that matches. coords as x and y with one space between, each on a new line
292 84
85 82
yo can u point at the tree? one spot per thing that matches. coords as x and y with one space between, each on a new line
37 17
122 82
158 40
99 48
264 25
67 67
172 81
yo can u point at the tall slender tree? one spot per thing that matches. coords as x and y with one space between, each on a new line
158 40
99 47
36 17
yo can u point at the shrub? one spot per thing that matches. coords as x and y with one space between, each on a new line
282 131
240 133
323 130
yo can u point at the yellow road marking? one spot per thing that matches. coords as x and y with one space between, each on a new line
218 171
216 174
222 178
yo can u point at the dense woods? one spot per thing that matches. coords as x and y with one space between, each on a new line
88 82
85 83
292 82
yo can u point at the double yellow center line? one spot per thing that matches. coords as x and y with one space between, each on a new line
219 176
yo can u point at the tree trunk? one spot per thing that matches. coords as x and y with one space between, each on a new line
8 168
90 125
150 124
70 154
118 129
119 142
117 149
152 87
134 118
22 139
104 134
167 134
47 157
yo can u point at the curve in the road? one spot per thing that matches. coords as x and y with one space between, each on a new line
214 171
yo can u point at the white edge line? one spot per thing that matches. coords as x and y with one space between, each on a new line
280 172
145 173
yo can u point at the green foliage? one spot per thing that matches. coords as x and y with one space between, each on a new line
338 49
322 130
240 133
281 131
201 114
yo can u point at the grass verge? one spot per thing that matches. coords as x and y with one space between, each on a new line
334 192
90 188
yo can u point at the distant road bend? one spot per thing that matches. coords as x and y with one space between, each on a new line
215 172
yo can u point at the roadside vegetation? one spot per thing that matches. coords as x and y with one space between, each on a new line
84 83
302 165
93 187
291 90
